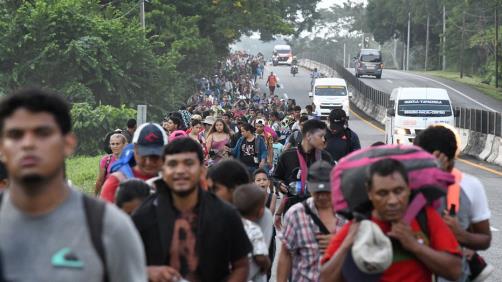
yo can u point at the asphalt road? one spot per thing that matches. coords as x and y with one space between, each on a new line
461 95
298 88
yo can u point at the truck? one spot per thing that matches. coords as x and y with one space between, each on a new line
413 109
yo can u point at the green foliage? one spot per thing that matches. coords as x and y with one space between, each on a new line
82 171
388 19
92 124
96 52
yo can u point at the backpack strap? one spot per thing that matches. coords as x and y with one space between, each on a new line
416 209
453 196
94 213
315 218
422 222
107 164
269 200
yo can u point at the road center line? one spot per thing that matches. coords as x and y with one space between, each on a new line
453 89
389 81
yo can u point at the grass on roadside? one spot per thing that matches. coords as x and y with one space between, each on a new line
82 171
474 81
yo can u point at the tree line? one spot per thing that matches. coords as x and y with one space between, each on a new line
97 52
468 41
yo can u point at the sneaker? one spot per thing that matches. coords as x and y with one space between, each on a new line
480 270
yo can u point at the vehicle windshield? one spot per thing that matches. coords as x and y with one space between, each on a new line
424 108
283 51
330 91
373 58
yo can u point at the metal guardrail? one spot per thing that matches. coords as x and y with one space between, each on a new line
478 120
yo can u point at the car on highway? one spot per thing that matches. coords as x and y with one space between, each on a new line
369 62
328 94
282 55
413 109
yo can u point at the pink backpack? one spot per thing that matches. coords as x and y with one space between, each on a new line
348 178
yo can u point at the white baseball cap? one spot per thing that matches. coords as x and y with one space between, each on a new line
372 250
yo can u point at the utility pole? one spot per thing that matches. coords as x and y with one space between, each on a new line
142 14
408 44
427 43
444 38
462 45
496 46
403 61
344 54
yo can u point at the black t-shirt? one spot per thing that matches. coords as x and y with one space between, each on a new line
182 254
248 153
338 145
220 235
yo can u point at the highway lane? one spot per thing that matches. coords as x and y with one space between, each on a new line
298 87
461 95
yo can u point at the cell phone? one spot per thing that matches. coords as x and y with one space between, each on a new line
452 211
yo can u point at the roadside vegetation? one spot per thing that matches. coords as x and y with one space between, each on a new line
471 80
82 172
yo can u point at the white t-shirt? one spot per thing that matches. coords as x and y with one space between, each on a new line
260 247
473 200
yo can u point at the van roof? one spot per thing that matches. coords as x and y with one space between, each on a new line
282 47
330 81
370 51
420 93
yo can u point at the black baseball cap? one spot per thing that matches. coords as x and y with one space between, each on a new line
337 115
150 139
319 177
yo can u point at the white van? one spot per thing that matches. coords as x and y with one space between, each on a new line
282 55
328 94
413 110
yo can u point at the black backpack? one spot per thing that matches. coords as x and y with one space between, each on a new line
94 213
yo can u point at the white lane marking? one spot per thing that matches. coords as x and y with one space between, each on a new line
453 89
389 81
493 229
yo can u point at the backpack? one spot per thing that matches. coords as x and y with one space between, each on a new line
348 181
94 211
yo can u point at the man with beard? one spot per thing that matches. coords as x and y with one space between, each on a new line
340 139
48 230
187 232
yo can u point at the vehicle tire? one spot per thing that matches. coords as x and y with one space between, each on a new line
294 74
357 75
378 76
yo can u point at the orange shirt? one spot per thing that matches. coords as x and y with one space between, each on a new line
272 80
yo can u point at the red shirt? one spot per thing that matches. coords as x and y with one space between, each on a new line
405 267
272 80
112 183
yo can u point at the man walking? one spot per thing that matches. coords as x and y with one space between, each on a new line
48 230
308 228
418 254
340 139
272 81
187 232
131 128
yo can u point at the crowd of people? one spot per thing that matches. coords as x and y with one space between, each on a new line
234 186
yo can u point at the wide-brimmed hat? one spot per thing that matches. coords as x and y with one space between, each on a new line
209 120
